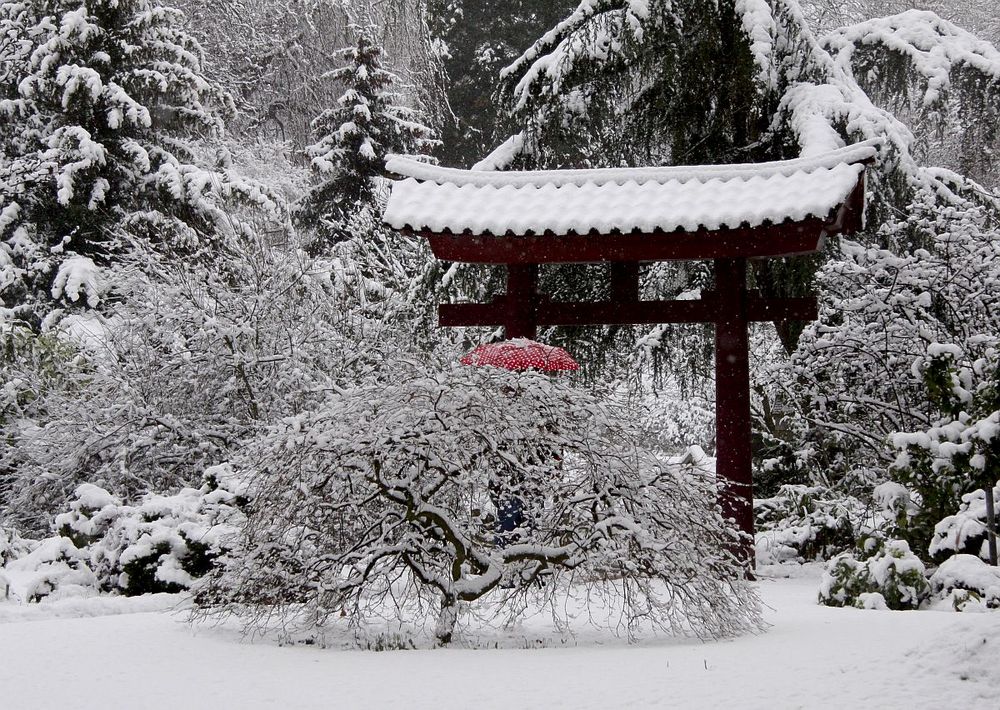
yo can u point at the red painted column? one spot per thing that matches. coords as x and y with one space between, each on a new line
522 298
732 398
624 282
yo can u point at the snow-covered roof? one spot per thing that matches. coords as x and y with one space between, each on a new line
666 199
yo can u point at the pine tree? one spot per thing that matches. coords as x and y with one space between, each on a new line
353 139
103 98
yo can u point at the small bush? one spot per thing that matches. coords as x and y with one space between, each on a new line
965 531
804 523
967 580
92 510
162 544
893 572
13 546
58 566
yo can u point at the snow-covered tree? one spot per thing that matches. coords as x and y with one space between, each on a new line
386 500
858 375
353 139
271 54
735 81
102 99
197 358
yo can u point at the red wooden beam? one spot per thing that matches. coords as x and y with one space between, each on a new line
519 317
790 239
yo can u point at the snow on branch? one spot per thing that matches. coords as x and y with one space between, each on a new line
503 155
935 48
761 29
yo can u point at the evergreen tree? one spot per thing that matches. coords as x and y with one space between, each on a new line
656 82
692 81
102 99
353 139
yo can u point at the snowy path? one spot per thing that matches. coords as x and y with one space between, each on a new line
812 657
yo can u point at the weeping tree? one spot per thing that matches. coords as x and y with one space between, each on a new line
385 502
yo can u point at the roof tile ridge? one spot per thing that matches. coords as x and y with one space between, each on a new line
423 172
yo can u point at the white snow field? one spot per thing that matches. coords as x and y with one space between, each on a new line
140 653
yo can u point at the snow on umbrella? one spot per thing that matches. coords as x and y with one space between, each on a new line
521 354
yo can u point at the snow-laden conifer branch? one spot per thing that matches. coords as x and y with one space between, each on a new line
936 49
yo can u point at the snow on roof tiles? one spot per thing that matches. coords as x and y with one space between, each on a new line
626 200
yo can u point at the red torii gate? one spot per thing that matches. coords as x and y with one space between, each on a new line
623 217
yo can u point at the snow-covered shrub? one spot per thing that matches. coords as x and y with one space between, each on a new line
967 580
965 531
898 575
893 572
805 523
196 359
844 581
386 500
877 362
959 451
91 511
162 543
59 568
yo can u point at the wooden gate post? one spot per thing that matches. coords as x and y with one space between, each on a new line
520 306
732 398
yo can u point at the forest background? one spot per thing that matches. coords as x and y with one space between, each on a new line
192 262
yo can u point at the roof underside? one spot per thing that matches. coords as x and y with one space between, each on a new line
703 199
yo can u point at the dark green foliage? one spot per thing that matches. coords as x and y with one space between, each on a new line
139 574
961 453
476 39
680 89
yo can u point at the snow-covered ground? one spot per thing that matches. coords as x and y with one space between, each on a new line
142 654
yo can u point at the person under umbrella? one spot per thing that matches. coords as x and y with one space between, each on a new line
517 354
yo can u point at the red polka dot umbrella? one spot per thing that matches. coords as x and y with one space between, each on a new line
521 354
